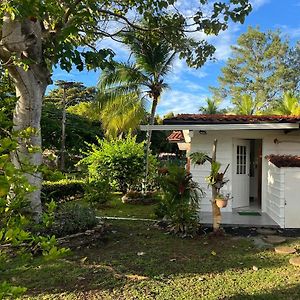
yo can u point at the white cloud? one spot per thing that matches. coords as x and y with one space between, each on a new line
256 4
121 50
181 69
180 102
293 33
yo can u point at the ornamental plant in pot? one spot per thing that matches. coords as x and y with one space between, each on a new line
215 180
221 200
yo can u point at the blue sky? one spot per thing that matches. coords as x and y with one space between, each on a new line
189 87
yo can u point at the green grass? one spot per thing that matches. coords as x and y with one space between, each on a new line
116 208
170 268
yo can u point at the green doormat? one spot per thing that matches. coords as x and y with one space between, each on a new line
249 213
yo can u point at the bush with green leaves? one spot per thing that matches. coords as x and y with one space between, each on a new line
17 221
120 161
180 200
62 190
97 192
72 217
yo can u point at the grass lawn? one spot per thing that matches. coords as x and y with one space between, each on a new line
138 261
116 208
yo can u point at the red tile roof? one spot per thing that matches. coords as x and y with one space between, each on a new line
282 161
175 137
229 119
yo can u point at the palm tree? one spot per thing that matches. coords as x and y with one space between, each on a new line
289 105
135 82
247 106
212 107
122 115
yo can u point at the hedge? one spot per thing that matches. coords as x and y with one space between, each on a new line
63 190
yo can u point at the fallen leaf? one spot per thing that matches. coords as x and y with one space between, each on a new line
83 259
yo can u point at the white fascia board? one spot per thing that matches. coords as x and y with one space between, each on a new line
220 126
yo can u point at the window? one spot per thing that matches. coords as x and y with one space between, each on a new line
241 160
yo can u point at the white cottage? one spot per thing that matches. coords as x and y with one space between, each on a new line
263 153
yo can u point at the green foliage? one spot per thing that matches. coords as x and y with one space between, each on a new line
180 200
63 190
97 191
16 223
289 105
121 88
78 130
48 246
87 110
10 291
120 161
52 175
258 68
247 106
199 158
48 217
212 107
214 172
75 94
72 217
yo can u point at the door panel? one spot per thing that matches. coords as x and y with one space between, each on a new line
241 179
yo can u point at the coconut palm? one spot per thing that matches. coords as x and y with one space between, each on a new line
212 107
289 105
122 115
137 81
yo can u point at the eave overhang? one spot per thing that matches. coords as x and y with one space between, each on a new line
218 127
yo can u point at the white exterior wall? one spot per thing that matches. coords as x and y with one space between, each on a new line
275 194
291 197
203 143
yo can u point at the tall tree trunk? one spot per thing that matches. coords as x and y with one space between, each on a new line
149 134
215 209
63 132
24 41
28 115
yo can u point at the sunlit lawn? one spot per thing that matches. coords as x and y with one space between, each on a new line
139 261
116 208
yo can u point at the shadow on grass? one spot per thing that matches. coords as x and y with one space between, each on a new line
133 253
289 292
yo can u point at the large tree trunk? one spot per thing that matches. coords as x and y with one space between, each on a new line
28 115
24 40
215 209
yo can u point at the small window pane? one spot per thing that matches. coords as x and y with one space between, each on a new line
241 159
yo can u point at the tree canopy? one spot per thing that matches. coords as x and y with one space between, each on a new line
259 67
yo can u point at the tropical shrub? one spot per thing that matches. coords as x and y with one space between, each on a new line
63 190
97 192
120 161
72 217
180 200
17 220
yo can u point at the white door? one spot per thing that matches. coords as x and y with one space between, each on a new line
241 176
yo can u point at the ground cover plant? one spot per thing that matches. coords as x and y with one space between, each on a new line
138 261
